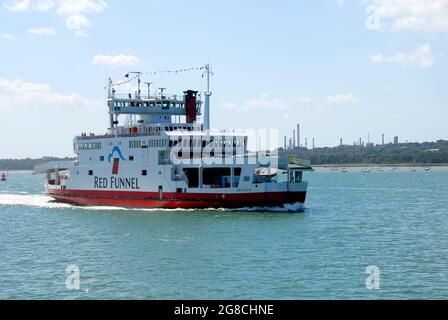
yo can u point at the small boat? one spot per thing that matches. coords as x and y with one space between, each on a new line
379 169
367 170
427 168
344 170
3 178
393 168
414 170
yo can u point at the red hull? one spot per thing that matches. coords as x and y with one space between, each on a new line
176 200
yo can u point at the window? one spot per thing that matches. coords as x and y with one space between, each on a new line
246 178
236 177
131 158
134 144
101 158
144 172
90 172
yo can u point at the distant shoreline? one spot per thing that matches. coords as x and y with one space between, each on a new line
367 165
321 166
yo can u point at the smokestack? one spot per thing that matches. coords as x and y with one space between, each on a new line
313 143
190 105
285 144
298 135
382 138
293 138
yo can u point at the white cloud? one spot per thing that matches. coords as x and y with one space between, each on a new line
422 57
41 31
29 5
21 5
120 60
428 15
6 36
20 94
74 11
286 106
74 7
340 3
77 22
43 5
262 103
81 34
342 98
304 99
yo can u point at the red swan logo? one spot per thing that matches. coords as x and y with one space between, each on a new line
116 163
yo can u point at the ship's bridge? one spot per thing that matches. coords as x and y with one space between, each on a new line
160 108
160 105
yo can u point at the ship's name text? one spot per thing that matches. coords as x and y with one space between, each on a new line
116 183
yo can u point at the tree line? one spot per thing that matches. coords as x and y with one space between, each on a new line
403 153
27 164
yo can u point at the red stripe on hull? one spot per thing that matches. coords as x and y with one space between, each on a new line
176 200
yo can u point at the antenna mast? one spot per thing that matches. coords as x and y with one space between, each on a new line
138 73
149 88
110 88
206 124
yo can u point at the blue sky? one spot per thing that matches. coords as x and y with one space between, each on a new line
340 68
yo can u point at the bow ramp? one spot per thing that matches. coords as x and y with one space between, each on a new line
53 166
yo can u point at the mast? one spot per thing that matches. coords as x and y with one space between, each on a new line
149 88
206 124
110 88
138 73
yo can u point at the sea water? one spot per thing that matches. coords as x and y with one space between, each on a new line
377 235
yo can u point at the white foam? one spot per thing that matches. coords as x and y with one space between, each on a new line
30 200
297 207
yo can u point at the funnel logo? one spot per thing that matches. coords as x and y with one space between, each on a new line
116 163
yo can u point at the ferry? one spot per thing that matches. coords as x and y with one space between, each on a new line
161 156
3 177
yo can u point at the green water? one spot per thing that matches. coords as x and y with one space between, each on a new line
397 221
